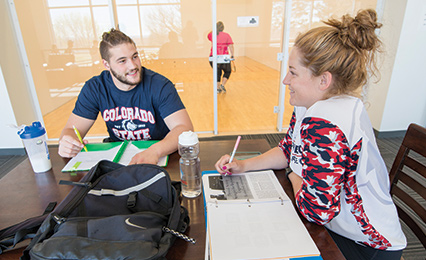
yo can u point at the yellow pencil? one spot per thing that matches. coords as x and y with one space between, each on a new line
79 137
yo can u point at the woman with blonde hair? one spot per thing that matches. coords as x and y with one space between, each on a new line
338 175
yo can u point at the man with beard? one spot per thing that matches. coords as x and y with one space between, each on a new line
135 103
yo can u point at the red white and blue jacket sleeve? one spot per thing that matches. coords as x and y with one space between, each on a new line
325 156
286 143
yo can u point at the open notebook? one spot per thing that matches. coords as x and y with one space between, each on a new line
249 216
119 152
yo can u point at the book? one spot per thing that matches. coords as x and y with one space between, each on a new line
249 216
243 155
119 152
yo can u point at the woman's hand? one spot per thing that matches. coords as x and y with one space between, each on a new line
224 167
272 159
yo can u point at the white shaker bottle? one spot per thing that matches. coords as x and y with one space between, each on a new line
190 172
34 139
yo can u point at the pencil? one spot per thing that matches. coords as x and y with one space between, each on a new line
79 137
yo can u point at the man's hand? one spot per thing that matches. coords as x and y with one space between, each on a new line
146 156
69 146
177 123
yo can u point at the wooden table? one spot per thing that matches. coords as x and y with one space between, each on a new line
24 194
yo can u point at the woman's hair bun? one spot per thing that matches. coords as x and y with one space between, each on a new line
359 32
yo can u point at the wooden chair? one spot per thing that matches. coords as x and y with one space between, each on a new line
408 181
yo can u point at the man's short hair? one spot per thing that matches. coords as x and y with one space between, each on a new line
111 39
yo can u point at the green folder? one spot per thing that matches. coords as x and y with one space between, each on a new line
119 152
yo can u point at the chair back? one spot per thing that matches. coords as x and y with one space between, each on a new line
408 181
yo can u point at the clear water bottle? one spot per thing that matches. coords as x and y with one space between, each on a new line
190 172
34 139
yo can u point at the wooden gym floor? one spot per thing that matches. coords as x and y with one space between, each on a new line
246 108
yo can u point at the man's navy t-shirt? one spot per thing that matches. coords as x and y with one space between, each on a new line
137 114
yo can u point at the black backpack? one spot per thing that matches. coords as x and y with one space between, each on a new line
114 212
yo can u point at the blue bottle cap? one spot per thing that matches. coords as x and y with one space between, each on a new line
32 131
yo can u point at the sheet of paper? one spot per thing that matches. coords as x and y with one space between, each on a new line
86 160
132 150
252 186
257 231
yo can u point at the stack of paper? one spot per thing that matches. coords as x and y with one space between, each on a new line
119 152
249 216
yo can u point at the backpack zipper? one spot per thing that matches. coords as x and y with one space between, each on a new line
58 220
76 183
179 235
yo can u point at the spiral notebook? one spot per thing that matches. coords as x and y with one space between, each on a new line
249 216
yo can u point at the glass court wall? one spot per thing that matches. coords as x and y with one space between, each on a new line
61 40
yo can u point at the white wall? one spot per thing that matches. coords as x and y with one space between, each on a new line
407 91
16 102
11 140
400 97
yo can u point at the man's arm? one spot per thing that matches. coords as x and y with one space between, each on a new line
177 122
69 145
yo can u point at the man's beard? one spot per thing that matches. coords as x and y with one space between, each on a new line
124 80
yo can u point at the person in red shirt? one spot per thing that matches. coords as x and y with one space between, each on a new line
225 46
